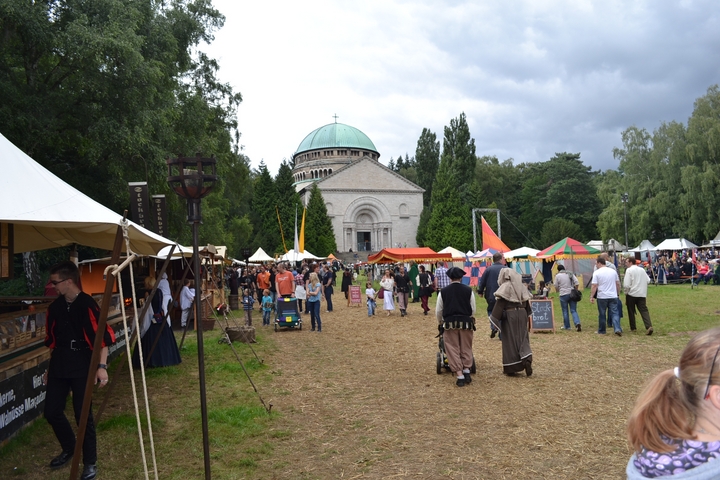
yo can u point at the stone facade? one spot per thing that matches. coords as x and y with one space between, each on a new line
371 206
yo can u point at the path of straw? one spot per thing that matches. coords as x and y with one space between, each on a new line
362 399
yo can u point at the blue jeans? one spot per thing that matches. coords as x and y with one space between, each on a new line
564 303
611 305
314 308
328 298
266 317
371 307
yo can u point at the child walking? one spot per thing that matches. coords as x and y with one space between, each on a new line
267 306
248 302
370 294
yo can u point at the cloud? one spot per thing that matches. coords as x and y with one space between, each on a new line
534 78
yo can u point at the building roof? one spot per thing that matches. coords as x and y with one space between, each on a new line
336 135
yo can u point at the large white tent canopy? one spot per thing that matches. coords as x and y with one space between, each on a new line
260 256
675 244
47 212
644 246
293 256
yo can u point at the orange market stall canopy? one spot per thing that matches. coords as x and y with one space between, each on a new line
418 255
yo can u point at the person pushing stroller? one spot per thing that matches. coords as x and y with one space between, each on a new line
455 312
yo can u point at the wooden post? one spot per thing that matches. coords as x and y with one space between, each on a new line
97 346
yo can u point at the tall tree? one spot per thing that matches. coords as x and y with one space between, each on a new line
455 192
427 158
264 219
319 234
287 202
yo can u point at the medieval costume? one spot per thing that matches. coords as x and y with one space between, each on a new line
454 311
511 313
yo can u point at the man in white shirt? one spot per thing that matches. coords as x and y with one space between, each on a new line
606 285
635 284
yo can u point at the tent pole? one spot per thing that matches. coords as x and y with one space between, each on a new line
95 359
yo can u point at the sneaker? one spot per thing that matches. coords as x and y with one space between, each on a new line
618 333
468 379
649 331
460 382
578 328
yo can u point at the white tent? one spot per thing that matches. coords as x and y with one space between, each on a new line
521 253
47 212
456 254
675 244
260 256
644 246
179 251
292 256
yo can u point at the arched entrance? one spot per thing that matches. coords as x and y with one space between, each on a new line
367 226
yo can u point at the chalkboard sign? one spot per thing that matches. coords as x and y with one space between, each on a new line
355 299
543 315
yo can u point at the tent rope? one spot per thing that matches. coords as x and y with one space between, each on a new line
116 270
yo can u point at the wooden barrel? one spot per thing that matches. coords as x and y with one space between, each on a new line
233 299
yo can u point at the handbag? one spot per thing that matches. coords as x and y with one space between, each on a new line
575 295
381 293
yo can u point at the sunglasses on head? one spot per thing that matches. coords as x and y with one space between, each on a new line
707 389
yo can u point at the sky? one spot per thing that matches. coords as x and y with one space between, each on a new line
534 77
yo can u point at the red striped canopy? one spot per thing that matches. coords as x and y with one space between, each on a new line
567 248
419 255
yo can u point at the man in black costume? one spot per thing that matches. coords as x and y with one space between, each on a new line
455 311
72 320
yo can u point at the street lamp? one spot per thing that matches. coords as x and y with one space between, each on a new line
193 178
624 198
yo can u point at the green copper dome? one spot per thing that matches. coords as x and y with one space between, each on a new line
336 135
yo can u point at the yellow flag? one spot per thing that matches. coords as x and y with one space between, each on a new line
302 233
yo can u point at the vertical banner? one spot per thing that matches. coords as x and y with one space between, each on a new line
160 214
139 202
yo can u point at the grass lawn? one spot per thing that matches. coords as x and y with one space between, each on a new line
247 442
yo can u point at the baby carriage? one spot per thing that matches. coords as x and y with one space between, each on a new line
287 314
442 361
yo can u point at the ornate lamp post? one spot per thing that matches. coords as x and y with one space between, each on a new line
193 178
624 198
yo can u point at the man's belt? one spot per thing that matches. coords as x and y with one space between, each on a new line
77 345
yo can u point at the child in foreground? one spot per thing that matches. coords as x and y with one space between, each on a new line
674 428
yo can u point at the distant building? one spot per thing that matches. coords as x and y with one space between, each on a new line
371 206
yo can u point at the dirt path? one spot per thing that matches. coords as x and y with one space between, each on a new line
362 399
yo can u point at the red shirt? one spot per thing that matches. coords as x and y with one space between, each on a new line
285 283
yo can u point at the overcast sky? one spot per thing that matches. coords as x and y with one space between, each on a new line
534 77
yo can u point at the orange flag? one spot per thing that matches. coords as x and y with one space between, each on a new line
490 240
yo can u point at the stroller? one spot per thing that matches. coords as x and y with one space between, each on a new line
442 361
287 314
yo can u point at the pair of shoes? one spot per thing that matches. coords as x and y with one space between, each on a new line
460 382
493 333
618 333
61 459
468 379
649 331
578 328
633 329
89 472
528 369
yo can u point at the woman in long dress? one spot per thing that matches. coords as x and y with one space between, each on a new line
512 312
166 351
387 283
